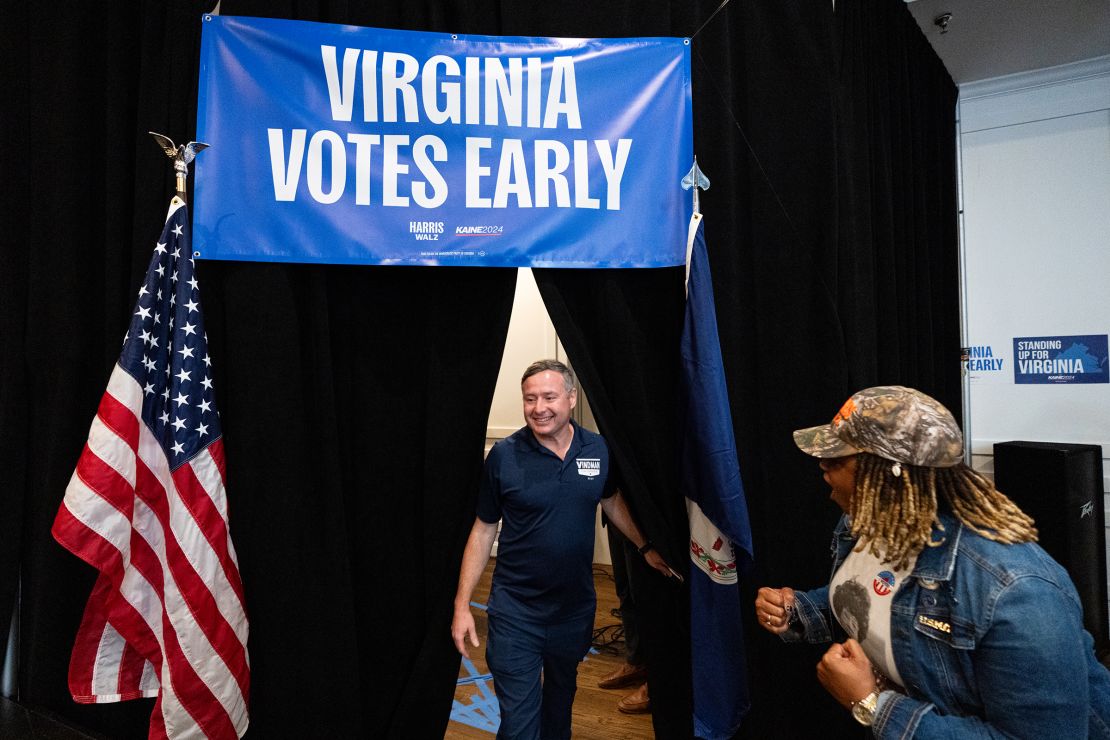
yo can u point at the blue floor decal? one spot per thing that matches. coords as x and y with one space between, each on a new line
482 710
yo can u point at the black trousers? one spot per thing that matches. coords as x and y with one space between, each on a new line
623 553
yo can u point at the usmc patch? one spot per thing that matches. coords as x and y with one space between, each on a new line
935 624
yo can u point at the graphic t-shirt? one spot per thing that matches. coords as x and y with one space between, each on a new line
860 595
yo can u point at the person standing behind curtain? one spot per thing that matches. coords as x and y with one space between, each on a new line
958 624
633 671
544 482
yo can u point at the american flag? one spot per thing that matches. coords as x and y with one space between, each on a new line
146 507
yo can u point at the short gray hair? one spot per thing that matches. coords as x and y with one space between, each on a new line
540 366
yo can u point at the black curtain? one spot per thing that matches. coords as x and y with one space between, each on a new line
831 227
829 137
354 399
621 329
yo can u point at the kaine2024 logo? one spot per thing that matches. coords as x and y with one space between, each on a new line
490 230
589 467
1061 359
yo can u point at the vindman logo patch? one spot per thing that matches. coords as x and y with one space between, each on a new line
589 467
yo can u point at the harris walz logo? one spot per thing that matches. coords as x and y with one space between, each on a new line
588 466
426 231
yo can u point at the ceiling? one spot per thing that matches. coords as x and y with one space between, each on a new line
990 38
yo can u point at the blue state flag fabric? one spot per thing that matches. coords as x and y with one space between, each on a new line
720 531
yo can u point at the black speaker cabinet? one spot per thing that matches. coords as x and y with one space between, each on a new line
1060 486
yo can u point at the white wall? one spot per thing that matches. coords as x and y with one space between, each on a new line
531 337
1035 163
1035 177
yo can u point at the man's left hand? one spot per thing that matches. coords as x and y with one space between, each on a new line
845 672
655 560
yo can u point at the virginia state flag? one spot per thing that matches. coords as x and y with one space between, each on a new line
720 532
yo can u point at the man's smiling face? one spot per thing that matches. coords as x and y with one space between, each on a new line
547 403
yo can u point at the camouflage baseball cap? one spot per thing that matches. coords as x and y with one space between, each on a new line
893 422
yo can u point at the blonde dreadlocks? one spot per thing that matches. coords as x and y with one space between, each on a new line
894 516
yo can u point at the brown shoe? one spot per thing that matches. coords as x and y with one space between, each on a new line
626 675
636 703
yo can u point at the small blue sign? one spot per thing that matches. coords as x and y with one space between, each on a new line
1061 360
980 358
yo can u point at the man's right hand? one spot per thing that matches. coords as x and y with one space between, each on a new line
773 607
462 625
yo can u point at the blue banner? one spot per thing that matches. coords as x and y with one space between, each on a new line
1070 359
342 144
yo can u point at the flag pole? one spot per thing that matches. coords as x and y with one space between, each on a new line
695 180
181 156
720 530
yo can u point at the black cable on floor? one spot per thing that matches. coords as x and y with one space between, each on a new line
609 639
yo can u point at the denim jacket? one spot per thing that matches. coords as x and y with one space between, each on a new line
988 639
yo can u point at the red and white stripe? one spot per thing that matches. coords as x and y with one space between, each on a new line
166 617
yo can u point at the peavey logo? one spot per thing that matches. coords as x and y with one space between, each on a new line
479 230
589 467
426 231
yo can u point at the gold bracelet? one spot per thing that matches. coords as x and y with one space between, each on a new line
880 679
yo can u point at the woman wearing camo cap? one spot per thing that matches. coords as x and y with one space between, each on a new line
957 623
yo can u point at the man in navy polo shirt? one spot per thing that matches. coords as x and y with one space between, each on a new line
544 481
